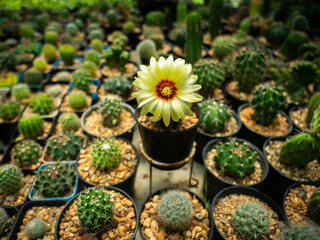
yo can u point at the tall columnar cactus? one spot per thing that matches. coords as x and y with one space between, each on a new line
93 56
215 115
81 79
10 178
146 50
26 152
4 220
313 104
35 228
175 211
215 14
41 103
314 206
67 53
290 47
277 33
77 100
305 73
119 85
40 64
55 180
64 146
110 110
267 102
49 52
249 70
32 77
95 204
300 232
51 37
210 75
69 121
251 220
31 125
235 159
9 110
106 153
223 46
193 46
182 10
315 123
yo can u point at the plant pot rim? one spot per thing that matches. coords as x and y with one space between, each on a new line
162 190
137 216
262 160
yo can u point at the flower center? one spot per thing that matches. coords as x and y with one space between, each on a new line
166 89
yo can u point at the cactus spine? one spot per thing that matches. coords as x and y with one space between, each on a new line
290 47
31 125
314 206
214 20
118 85
193 46
32 77
299 232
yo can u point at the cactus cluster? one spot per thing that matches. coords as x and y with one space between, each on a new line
110 110
64 146
9 110
31 125
77 100
81 79
175 211
223 46
41 103
290 47
215 115
10 178
305 73
106 153
50 52
251 220
35 228
69 122
32 77
300 232
314 206
55 180
95 203
119 85
146 50
116 56
40 64
235 159
194 38
26 152
67 53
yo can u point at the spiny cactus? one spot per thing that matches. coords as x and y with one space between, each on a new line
146 50
223 46
116 56
128 27
244 28
93 26
97 45
300 232
67 53
93 56
181 38
4 47
267 102
4 220
110 110
8 61
300 23
96 34
9 110
77 100
81 79
8 79
95 204
63 76
277 33
251 220
27 47
64 146
235 159
26 152
210 75
313 104
79 23
10 178
182 11
118 85
90 67
69 121
26 31
40 64
215 14
215 115
72 29
112 18
32 77
106 153
54 90
175 211
51 37
35 228
20 91
290 47
193 46
249 70
155 18
41 103
31 125
49 52
314 206
66 38
94 17
305 72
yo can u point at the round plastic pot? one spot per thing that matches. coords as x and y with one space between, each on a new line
246 191
127 184
168 147
256 137
215 184
202 138
159 192
126 134
62 213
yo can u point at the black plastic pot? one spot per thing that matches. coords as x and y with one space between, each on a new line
168 147
24 209
159 192
11 211
202 138
216 184
57 228
128 134
253 136
127 184
246 191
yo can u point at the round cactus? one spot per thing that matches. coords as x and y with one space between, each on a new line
31 125
277 33
146 50
175 211
128 27
290 47
41 103
54 90
66 38
10 178
112 18
223 46
93 56
251 220
26 152
26 31
49 52
97 45
110 110
20 91
297 232
40 64
81 79
94 17
63 76
69 122
32 77
51 37
155 18
67 53
90 67
77 100
106 154
96 34
300 23
9 110
35 228
8 60
72 29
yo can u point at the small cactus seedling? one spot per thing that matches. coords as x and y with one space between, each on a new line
300 232
77 100
175 211
314 206
41 103
69 121
9 110
26 152
32 77
35 228
49 52
10 178
31 125
110 110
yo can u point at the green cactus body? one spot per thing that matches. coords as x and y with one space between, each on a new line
63 76
89 67
9 110
64 146
106 154
193 46
251 220
35 228
94 17
158 39
155 18
146 50
26 31
181 38
290 47
4 47
249 70
313 104
110 110
4 219
67 53
300 23
31 125
235 159
41 103
97 45
299 150
10 178
116 56
54 90
66 38
49 52
55 180
277 33
118 85
81 80
309 51
315 123
51 37
128 27
215 14
20 91
300 232
175 211
314 206
305 72
223 46
210 75
112 18
77 100
96 34
215 115
93 26
40 64
267 102
8 60
69 121
32 77
79 23
26 152
182 11
93 56
95 204
72 29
